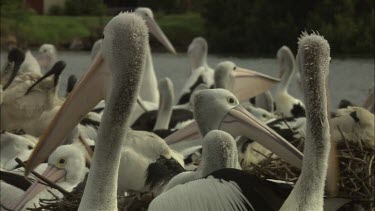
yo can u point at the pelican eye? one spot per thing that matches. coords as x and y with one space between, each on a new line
234 68
62 161
264 116
231 100
30 147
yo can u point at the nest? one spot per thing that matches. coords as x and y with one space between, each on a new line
71 201
356 164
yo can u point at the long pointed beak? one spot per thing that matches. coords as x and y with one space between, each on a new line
188 133
16 68
90 90
240 122
52 173
159 34
250 83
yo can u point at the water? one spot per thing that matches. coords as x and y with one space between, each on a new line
348 78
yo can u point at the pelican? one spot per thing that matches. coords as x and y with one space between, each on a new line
287 105
260 113
265 101
13 146
355 123
219 151
252 84
218 185
167 116
95 48
242 82
313 62
66 167
149 86
47 56
124 50
200 71
219 109
369 103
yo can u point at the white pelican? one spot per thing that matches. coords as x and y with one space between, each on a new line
218 185
66 167
369 103
47 56
149 86
124 51
200 71
219 151
219 109
356 125
260 113
167 116
287 105
313 61
13 146
243 83
95 48
265 101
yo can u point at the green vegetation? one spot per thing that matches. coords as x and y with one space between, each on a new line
61 30
256 27
52 29
261 27
181 29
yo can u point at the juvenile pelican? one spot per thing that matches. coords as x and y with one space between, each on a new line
287 105
149 86
356 125
13 146
66 167
167 117
200 71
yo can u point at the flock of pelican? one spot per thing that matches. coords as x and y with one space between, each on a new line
120 126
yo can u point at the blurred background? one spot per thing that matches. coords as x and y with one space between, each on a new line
241 27
247 32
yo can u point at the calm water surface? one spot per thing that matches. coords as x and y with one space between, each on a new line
348 78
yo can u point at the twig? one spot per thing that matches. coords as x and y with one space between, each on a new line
50 183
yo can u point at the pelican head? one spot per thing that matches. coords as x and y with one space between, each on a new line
66 164
153 27
95 48
242 82
114 71
219 151
285 59
15 58
220 109
197 52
